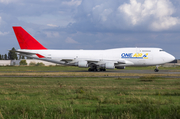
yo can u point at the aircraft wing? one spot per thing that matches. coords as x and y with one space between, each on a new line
96 62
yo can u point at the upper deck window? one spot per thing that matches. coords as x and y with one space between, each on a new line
146 50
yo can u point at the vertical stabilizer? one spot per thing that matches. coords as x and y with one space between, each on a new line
26 41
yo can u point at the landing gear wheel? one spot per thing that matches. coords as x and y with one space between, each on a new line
102 69
91 69
156 70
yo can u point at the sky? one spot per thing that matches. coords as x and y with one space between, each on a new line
93 24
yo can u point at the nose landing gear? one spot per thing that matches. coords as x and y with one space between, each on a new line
156 70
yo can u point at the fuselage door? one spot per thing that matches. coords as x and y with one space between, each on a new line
138 50
49 56
140 57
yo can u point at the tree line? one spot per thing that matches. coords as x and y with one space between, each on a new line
12 55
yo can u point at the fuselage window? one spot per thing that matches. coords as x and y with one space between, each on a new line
146 50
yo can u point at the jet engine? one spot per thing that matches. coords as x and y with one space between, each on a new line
108 65
82 64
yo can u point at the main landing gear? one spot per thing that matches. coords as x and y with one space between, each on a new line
156 70
90 69
95 68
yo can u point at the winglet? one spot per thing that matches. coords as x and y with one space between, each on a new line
26 41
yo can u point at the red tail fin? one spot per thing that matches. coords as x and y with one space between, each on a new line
26 41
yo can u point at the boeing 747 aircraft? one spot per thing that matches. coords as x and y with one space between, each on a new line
95 60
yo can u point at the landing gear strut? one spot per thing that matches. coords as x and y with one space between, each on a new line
156 70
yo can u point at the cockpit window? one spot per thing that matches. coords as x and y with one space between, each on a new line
161 50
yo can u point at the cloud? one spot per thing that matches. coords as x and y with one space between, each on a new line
52 34
70 40
158 12
164 23
7 1
93 16
133 15
3 33
101 13
52 25
72 3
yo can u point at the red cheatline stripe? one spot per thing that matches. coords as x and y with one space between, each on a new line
40 56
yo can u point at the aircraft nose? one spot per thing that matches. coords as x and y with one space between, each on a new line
171 58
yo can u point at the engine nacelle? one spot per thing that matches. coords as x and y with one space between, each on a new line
120 67
108 65
82 64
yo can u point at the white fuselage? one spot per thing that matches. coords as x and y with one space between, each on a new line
119 56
